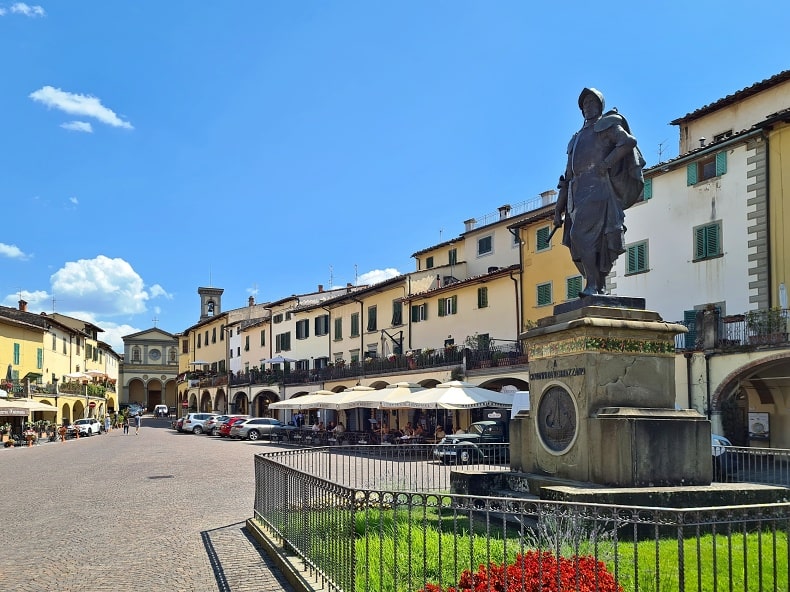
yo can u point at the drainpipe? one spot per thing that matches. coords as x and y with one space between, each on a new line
708 356
687 355
518 306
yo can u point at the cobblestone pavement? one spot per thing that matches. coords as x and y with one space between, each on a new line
154 511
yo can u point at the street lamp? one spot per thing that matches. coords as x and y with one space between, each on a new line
55 382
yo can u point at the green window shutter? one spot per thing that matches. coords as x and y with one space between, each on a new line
691 173
263 337
690 320
397 313
372 323
573 287
16 354
544 294
454 302
648 191
442 307
712 245
355 325
482 297
39 358
699 243
415 314
542 240
721 163
338 328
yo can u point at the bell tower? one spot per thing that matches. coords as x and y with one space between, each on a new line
210 302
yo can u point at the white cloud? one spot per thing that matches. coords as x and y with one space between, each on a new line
157 290
78 126
27 10
12 252
104 286
74 201
38 301
80 105
377 275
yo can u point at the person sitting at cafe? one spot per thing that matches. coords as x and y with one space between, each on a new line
440 433
408 430
339 428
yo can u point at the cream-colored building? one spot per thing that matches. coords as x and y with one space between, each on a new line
150 369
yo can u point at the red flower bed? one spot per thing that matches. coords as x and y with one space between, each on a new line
536 572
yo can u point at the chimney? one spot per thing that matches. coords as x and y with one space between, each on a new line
547 197
504 211
23 306
251 301
320 288
469 224
348 288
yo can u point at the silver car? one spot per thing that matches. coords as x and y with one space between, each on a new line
195 422
257 427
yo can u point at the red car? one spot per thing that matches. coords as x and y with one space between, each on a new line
224 428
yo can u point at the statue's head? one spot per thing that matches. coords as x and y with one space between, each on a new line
591 95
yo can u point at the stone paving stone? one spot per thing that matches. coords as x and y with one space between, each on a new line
158 511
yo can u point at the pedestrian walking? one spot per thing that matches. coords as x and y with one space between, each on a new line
137 421
125 425
107 423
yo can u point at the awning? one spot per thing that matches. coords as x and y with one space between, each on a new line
28 405
9 409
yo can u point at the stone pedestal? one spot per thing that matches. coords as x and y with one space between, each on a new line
602 401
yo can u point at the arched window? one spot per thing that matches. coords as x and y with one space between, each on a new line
137 354
172 355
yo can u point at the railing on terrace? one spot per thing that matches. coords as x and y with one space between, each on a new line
361 525
495 355
735 464
757 328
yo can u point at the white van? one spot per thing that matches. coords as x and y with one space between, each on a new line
161 411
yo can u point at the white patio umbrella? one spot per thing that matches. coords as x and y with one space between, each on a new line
279 360
395 395
95 373
304 402
355 396
77 375
458 395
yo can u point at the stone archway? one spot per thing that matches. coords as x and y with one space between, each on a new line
760 385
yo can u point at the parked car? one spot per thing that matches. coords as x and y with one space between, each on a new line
484 440
161 411
225 426
195 422
724 461
211 426
88 426
178 424
256 427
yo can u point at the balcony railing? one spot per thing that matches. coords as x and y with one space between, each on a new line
754 329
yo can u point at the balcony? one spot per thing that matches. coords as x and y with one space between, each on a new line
757 329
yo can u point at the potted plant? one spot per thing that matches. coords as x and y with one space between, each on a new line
766 326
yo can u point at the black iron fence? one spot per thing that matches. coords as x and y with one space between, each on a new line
709 329
365 522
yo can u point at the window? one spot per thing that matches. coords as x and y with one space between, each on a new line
355 324
54 342
222 332
263 337
648 190
231 353
711 166
137 354
185 346
485 245
482 297
246 343
39 358
636 258
428 262
282 342
338 329
288 315
397 313
453 257
65 346
172 354
198 339
322 325
206 337
278 318
707 241
238 352
573 285
542 239
448 306
544 294
88 351
419 312
303 329
372 323
213 335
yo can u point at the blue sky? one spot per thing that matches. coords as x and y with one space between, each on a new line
266 147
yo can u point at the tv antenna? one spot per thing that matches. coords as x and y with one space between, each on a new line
661 150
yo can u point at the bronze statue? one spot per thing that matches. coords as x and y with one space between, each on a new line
602 179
